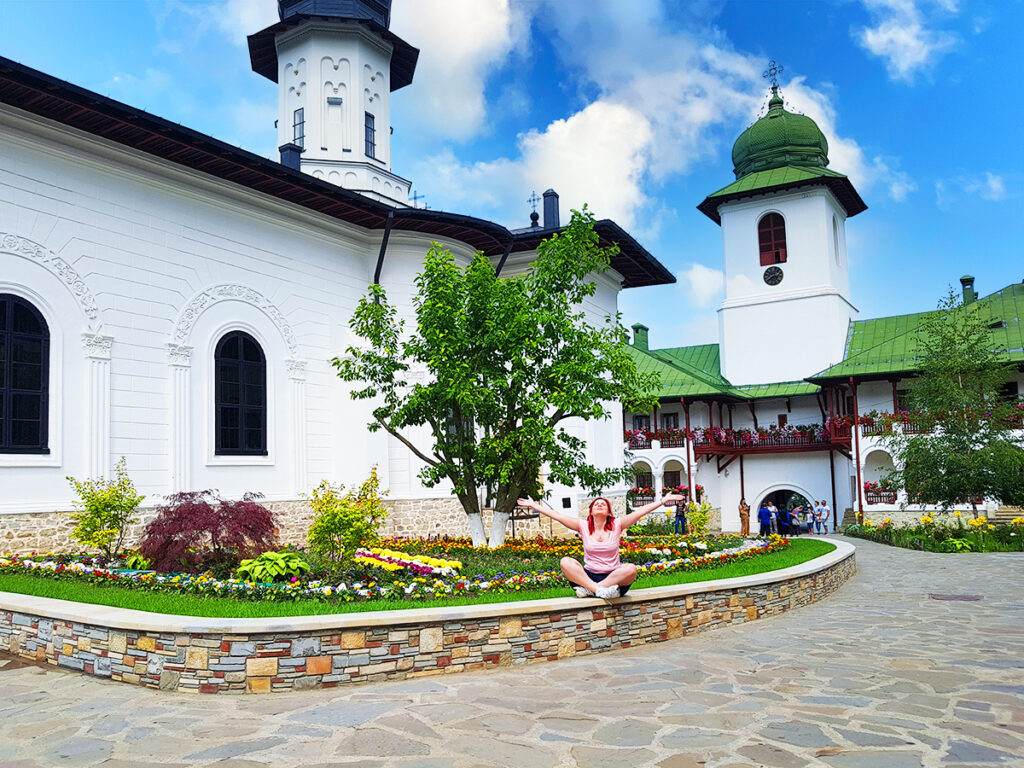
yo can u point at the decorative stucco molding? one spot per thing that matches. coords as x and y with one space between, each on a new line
296 369
219 293
96 346
179 354
21 246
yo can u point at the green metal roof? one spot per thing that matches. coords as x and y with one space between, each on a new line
777 139
780 389
779 179
695 372
889 345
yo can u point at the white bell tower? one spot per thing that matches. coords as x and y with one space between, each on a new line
336 64
787 305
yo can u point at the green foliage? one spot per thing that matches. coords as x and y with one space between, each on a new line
344 522
968 452
136 562
506 361
104 510
697 517
272 566
956 545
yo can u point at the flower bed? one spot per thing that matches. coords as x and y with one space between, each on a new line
411 570
975 535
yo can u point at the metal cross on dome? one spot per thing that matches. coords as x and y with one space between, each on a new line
772 73
533 200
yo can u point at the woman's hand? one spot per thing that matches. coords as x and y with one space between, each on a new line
672 498
528 503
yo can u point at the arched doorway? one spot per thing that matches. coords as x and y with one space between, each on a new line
784 498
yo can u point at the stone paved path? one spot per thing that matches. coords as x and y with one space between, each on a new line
880 675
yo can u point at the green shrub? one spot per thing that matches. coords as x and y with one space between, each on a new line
272 566
104 510
956 545
345 521
697 517
136 562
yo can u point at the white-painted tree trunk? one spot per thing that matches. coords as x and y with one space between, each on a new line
476 529
498 525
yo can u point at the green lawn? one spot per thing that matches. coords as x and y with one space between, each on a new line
799 551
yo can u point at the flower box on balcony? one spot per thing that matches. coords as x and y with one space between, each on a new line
880 497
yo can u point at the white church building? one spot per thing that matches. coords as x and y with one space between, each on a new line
174 300
768 413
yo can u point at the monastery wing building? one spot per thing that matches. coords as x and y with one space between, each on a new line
768 412
174 300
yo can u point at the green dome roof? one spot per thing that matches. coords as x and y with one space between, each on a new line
779 139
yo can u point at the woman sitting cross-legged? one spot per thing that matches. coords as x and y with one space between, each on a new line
601 573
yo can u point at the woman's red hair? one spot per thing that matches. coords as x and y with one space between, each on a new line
609 521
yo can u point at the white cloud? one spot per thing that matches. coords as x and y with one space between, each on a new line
461 43
701 284
902 35
596 156
988 187
239 18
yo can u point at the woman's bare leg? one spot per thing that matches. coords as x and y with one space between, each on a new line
622 576
573 571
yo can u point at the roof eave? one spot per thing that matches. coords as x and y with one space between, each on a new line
842 188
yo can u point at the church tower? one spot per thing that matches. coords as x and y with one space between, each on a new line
787 305
336 63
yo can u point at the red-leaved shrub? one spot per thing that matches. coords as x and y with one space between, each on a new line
198 530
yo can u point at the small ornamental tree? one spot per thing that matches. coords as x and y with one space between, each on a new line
197 530
500 364
104 510
969 454
344 522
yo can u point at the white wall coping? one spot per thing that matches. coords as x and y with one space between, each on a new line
145 621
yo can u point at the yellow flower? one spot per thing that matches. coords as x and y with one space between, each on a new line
991 527
957 513
1017 521
926 520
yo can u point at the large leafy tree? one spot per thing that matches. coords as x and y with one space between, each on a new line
494 368
967 451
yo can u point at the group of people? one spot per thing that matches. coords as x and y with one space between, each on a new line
788 521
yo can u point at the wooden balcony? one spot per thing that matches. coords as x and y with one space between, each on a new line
879 497
726 442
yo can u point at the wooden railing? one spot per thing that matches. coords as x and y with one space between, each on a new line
880 497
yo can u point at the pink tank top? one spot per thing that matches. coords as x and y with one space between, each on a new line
601 556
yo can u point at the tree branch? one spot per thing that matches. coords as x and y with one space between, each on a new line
406 443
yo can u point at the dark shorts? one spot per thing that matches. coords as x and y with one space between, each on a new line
599 577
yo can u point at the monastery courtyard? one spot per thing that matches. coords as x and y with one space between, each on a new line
917 661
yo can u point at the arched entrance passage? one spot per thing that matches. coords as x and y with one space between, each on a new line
784 498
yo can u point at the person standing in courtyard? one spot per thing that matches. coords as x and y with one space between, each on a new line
826 514
681 526
602 572
764 519
744 518
782 527
774 512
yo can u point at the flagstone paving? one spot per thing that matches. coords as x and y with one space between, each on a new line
896 670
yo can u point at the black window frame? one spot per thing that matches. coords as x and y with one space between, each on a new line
240 366
299 127
7 389
370 135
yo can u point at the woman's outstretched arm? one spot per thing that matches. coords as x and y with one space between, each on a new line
646 509
570 522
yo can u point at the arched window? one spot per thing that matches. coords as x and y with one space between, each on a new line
835 241
241 394
771 238
24 377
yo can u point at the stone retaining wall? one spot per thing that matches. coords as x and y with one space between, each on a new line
260 655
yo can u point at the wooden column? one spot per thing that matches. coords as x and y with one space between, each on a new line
895 398
832 477
856 438
753 412
689 447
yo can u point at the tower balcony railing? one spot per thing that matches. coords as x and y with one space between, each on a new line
837 432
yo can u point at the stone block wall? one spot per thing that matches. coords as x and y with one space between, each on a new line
261 662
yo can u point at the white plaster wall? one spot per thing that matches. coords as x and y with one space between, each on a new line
152 244
794 329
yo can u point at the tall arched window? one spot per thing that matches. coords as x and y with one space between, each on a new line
24 376
771 238
241 394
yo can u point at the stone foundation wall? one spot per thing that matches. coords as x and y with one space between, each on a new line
397 645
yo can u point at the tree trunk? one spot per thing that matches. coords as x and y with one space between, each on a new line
498 525
476 529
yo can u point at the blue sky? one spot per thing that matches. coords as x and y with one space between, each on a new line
633 108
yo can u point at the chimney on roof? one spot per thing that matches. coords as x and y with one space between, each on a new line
551 209
970 295
640 336
291 156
